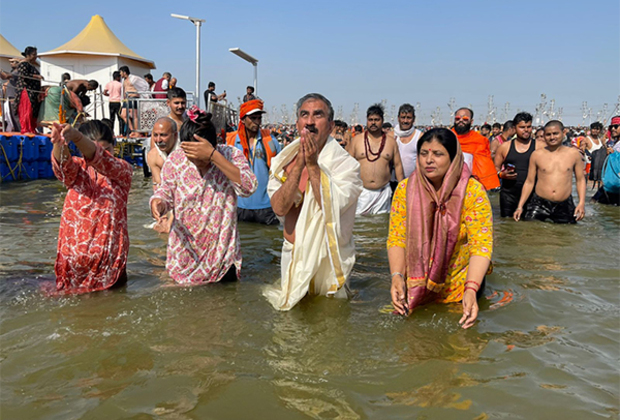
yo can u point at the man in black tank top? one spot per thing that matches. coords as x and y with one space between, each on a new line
512 161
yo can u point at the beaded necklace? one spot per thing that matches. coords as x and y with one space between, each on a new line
369 152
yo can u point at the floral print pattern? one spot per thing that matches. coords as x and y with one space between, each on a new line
475 234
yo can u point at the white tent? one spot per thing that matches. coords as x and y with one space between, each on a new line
95 53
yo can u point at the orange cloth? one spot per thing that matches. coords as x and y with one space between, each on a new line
483 167
245 108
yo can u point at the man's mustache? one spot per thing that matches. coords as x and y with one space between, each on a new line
312 128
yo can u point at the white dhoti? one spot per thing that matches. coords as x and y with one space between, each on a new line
322 258
374 201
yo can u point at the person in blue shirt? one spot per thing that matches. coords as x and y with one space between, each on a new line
258 146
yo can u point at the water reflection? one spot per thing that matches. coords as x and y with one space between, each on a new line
546 344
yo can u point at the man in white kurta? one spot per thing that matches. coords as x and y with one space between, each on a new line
314 185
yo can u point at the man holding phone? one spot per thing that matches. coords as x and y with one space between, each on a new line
512 161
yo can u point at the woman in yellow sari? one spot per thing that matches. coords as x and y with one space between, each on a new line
440 240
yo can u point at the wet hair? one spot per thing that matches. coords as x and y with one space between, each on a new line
93 84
375 109
176 92
211 84
487 126
29 50
497 125
556 123
508 125
596 125
341 124
203 127
317 97
97 130
522 116
125 69
65 77
386 125
444 136
358 128
109 123
116 75
407 109
471 111
251 88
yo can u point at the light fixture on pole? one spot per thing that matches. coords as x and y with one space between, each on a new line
198 23
247 57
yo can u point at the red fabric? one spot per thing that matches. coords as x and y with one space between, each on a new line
93 241
158 88
27 119
483 169
433 223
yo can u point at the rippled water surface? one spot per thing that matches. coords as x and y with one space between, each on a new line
547 345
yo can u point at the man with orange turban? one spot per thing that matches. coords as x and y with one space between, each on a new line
258 146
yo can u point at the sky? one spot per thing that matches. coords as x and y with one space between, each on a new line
363 52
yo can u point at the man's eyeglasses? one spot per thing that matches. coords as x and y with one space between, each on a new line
463 118
614 126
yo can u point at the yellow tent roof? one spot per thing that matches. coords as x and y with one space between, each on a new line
7 49
97 39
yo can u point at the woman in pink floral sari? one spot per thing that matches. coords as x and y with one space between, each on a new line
200 183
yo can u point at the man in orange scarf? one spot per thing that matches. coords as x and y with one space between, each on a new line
483 168
258 146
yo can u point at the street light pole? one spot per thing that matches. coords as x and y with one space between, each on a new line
198 23
247 57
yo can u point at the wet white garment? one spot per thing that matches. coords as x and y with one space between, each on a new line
321 260
374 201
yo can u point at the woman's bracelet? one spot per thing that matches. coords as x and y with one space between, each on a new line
211 155
396 273
470 288
476 286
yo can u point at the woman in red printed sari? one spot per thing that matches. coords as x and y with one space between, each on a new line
440 240
93 241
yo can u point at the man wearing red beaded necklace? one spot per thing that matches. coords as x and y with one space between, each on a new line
377 153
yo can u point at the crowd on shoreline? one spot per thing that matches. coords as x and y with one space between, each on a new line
315 178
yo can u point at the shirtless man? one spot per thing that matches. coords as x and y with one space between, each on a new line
81 87
377 153
552 170
512 161
314 185
503 137
177 102
165 139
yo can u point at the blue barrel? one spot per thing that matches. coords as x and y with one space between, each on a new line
45 148
45 170
5 171
30 170
9 145
30 149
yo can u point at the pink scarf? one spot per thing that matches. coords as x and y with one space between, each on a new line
433 224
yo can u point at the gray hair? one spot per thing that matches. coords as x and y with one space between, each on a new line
172 122
318 97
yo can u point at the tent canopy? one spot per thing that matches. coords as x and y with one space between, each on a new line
98 39
7 49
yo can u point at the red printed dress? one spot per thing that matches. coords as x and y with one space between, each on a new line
93 241
204 240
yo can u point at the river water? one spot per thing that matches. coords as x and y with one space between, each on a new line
547 344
